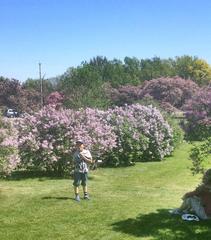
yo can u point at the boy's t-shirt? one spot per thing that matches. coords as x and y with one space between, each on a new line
80 165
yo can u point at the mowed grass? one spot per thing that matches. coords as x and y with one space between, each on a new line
126 203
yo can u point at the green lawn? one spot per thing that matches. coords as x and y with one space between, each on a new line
127 203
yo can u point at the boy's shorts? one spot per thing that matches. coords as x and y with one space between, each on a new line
80 178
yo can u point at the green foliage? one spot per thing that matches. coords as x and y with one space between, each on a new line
189 67
156 67
199 153
4 151
131 151
84 87
178 132
197 131
82 97
34 84
85 84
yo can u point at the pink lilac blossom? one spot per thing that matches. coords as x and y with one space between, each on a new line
47 138
144 122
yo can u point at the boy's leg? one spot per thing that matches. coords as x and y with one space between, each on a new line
76 184
85 189
76 190
84 184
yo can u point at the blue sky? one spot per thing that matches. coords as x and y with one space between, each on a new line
63 33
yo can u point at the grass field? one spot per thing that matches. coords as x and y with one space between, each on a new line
126 203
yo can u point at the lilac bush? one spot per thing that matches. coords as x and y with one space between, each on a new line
55 98
9 158
198 115
142 134
122 135
175 91
170 93
127 94
46 139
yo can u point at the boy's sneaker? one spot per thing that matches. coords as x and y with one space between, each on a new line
86 197
77 198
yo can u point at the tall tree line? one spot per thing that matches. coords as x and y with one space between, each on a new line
87 84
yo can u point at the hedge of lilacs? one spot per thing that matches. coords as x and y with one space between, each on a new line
142 135
170 92
127 94
175 90
122 135
46 139
198 114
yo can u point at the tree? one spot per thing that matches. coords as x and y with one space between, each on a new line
34 84
202 72
9 88
132 68
156 67
84 86
189 67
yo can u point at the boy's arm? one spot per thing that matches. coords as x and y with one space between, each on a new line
86 159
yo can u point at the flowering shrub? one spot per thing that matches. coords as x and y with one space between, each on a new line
198 115
170 93
127 94
9 158
170 90
172 115
142 134
122 135
46 140
55 98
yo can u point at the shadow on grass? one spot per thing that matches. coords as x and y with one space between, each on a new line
58 198
42 175
161 225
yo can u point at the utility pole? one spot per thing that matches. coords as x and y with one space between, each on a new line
41 86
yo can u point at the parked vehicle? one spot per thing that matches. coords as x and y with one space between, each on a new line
11 113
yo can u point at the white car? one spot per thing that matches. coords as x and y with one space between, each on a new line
11 113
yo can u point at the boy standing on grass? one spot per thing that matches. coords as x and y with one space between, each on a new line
81 158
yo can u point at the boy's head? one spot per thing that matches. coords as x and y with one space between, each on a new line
207 177
79 145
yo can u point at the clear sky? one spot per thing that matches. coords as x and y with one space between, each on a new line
63 33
